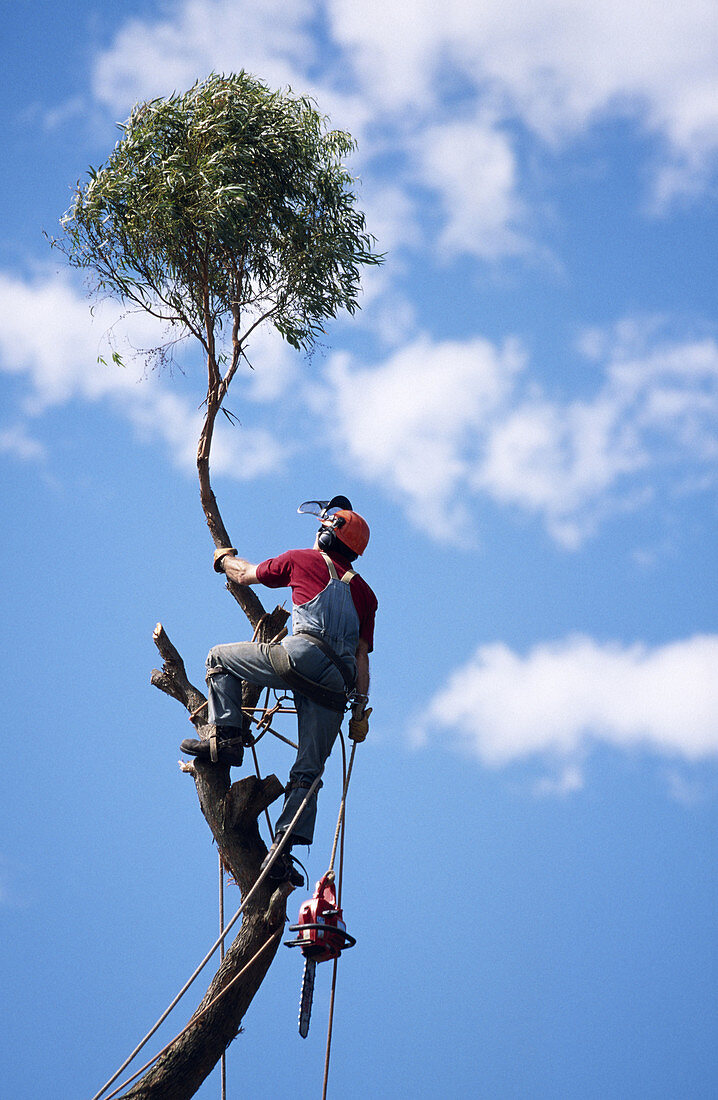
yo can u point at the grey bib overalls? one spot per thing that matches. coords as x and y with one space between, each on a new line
331 614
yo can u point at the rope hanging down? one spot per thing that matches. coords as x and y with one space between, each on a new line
340 830
199 1015
280 847
263 726
223 1059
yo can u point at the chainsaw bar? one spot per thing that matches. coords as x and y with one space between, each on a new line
305 1004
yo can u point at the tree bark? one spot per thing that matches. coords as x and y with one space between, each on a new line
245 597
231 811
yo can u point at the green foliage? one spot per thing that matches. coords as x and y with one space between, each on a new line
116 359
228 203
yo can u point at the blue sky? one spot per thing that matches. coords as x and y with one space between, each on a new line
525 411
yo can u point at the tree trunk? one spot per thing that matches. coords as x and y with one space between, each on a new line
231 811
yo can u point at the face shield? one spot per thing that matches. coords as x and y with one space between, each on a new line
323 509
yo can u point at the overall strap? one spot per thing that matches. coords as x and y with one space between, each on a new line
325 697
333 575
348 675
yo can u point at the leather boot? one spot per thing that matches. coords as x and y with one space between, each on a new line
224 746
282 869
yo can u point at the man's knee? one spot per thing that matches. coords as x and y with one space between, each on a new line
213 664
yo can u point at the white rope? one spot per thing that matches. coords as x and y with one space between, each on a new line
277 852
197 1017
223 1059
340 830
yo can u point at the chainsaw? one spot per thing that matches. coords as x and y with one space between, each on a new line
322 935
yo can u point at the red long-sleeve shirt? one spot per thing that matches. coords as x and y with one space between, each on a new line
306 573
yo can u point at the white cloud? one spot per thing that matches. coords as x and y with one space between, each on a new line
472 166
50 340
438 424
443 424
390 74
562 697
555 460
569 780
413 426
17 442
688 789
557 66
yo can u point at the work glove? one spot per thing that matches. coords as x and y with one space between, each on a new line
220 553
359 727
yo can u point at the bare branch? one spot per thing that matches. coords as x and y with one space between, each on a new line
173 677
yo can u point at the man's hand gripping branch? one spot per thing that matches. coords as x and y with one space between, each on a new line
241 571
234 568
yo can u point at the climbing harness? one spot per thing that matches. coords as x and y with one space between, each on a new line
347 674
282 665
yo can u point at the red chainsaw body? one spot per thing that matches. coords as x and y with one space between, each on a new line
322 935
321 931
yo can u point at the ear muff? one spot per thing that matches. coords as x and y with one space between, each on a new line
329 539
325 539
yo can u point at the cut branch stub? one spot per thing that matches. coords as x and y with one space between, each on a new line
231 810
173 677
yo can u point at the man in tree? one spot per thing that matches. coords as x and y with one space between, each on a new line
325 661
223 210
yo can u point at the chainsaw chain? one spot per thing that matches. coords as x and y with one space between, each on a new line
305 1004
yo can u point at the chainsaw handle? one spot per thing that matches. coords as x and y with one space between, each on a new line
350 940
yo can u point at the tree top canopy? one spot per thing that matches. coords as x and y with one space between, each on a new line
228 202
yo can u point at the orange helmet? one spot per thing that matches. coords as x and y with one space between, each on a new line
349 528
